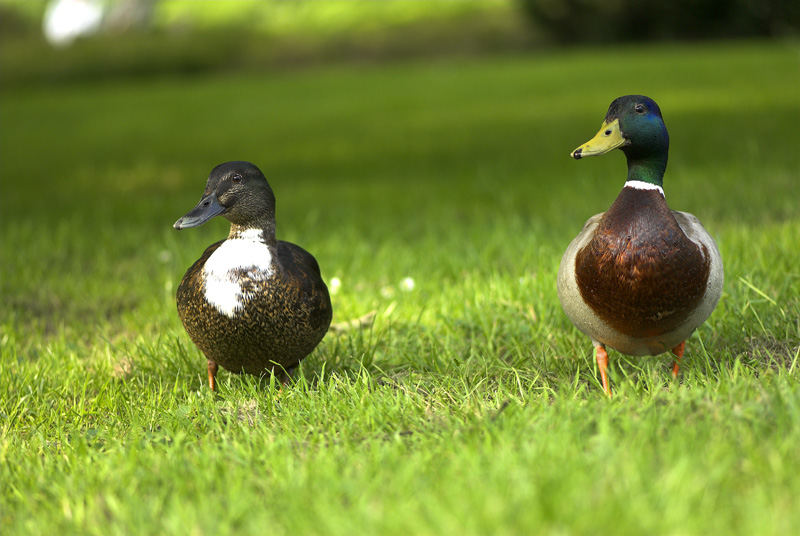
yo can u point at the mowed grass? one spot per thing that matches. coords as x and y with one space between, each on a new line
471 405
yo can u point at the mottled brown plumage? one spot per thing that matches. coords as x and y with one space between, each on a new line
262 306
284 321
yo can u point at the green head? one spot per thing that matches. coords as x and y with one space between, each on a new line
634 125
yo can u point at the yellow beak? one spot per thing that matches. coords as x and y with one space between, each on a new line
608 138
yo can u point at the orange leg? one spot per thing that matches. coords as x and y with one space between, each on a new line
602 363
678 351
212 374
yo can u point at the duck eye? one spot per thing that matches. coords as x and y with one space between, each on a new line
236 178
639 108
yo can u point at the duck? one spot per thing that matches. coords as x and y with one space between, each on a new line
639 277
251 303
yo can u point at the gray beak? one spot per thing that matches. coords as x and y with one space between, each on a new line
207 208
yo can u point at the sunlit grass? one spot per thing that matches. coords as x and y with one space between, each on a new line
471 405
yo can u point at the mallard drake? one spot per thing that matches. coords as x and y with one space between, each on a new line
251 303
639 277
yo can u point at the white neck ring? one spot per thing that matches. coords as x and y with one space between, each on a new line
641 185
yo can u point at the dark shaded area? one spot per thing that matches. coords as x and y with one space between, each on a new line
769 352
13 24
586 21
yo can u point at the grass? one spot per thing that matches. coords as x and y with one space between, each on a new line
471 405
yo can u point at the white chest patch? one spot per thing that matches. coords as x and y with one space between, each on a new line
641 185
246 253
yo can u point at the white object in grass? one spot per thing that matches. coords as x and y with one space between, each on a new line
336 283
66 20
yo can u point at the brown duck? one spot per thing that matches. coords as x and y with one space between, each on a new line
251 303
639 277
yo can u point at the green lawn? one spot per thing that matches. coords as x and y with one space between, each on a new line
471 405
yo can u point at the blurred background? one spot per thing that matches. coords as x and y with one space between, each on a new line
58 40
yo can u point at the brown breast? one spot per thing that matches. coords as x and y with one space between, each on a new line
640 273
